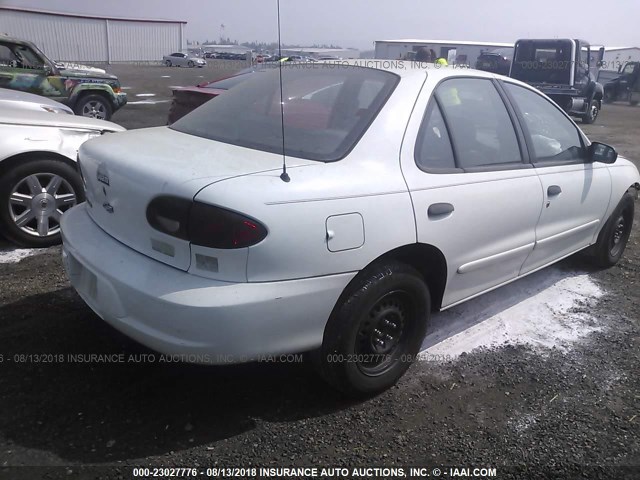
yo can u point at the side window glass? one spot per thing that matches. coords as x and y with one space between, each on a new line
433 147
27 58
480 127
553 136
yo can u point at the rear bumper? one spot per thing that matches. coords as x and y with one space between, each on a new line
200 320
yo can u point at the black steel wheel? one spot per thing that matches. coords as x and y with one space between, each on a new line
375 330
614 236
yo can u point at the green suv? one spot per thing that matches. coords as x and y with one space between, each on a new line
89 92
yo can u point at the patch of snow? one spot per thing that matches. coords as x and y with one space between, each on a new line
17 254
145 94
535 310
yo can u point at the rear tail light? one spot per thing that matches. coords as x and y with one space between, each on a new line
202 224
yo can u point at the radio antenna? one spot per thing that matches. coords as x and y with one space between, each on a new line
284 176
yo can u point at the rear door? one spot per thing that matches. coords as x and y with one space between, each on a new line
576 192
475 196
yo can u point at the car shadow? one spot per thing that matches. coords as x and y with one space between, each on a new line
125 403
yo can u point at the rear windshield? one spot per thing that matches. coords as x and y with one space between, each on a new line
227 83
327 108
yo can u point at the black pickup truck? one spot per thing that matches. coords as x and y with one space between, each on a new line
625 84
563 70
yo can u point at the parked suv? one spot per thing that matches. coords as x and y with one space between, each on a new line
497 61
89 92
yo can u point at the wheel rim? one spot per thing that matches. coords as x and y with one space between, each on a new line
384 332
94 109
38 201
617 240
593 113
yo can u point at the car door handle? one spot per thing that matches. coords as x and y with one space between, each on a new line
554 190
439 210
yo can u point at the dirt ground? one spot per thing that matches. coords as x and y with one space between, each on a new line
528 412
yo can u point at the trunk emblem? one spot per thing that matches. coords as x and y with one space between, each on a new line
102 176
108 207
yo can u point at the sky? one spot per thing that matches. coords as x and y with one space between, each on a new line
358 23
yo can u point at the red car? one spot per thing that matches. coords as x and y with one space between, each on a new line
186 99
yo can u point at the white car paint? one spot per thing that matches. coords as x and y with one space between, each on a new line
15 99
324 226
24 131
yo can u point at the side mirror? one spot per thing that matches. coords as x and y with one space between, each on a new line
603 153
600 55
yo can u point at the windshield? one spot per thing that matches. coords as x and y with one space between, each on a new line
327 108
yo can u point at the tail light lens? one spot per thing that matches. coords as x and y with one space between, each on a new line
202 224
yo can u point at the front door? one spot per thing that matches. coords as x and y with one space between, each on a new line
576 192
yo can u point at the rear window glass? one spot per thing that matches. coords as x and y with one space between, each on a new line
543 61
227 83
327 108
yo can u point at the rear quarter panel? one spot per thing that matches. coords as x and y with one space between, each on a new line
368 182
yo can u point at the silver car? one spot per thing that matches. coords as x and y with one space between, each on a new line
183 60
28 101
39 180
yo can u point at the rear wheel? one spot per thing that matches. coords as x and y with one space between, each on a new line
614 236
33 197
376 331
592 112
94 106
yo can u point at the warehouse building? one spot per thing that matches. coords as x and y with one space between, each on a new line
88 38
455 51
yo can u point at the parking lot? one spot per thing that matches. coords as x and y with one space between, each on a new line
543 372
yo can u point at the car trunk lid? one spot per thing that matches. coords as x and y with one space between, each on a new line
124 172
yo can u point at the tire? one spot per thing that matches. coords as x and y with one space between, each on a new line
592 112
94 106
614 236
375 330
190 64
30 217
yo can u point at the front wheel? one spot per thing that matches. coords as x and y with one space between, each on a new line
592 112
33 197
190 64
167 63
94 106
376 330
614 236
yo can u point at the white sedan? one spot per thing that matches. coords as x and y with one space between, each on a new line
39 179
337 220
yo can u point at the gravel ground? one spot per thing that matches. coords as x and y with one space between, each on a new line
551 413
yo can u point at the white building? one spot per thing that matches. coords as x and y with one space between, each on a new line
615 57
88 38
455 51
